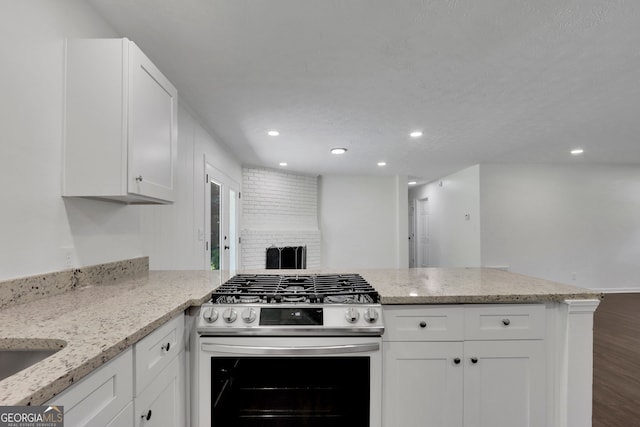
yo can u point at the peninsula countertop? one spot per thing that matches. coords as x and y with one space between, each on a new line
96 323
467 286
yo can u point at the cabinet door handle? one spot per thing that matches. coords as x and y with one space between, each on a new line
474 360
146 416
423 324
166 347
139 178
506 322
456 360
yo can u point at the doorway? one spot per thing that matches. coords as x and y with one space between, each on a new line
412 234
221 220
419 233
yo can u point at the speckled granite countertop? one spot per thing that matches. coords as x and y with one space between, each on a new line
98 322
467 285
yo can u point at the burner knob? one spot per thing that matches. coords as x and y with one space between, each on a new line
352 315
230 315
249 315
210 315
371 315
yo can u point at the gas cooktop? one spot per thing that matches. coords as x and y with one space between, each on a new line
311 289
272 304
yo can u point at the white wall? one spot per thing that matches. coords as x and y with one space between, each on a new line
454 239
573 224
560 222
36 224
363 221
173 235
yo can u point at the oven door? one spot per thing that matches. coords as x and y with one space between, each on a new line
289 381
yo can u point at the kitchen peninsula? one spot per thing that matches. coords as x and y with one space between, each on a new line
460 308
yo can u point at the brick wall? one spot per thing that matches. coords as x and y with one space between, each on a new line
279 209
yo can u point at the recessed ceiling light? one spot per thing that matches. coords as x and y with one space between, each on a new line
273 133
338 150
412 182
382 163
416 134
283 163
577 151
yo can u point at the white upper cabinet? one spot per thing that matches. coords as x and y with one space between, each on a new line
121 127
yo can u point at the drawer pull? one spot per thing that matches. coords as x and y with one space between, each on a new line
146 416
506 322
423 324
474 360
166 347
456 360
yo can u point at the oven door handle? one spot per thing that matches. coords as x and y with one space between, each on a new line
290 351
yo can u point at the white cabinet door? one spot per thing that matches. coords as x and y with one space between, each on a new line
504 383
124 418
162 403
422 385
120 136
152 129
101 396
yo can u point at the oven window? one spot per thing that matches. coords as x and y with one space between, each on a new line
283 392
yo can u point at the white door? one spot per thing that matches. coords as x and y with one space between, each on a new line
412 234
422 230
221 220
234 239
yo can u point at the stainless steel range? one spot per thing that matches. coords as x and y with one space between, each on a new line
293 305
290 350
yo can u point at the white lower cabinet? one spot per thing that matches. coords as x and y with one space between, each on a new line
124 418
99 398
143 386
434 379
422 385
504 383
162 403
159 392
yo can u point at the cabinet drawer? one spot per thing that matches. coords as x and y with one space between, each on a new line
153 353
98 398
423 323
505 321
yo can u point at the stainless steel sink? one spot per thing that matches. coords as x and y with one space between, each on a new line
15 360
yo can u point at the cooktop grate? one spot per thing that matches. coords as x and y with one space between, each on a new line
273 288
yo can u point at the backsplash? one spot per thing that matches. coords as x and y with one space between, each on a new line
25 289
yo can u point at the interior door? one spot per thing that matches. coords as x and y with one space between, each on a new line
422 222
221 220
412 234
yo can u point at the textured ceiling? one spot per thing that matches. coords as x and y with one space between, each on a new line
487 81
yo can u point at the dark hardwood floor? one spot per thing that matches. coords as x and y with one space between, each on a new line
616 361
